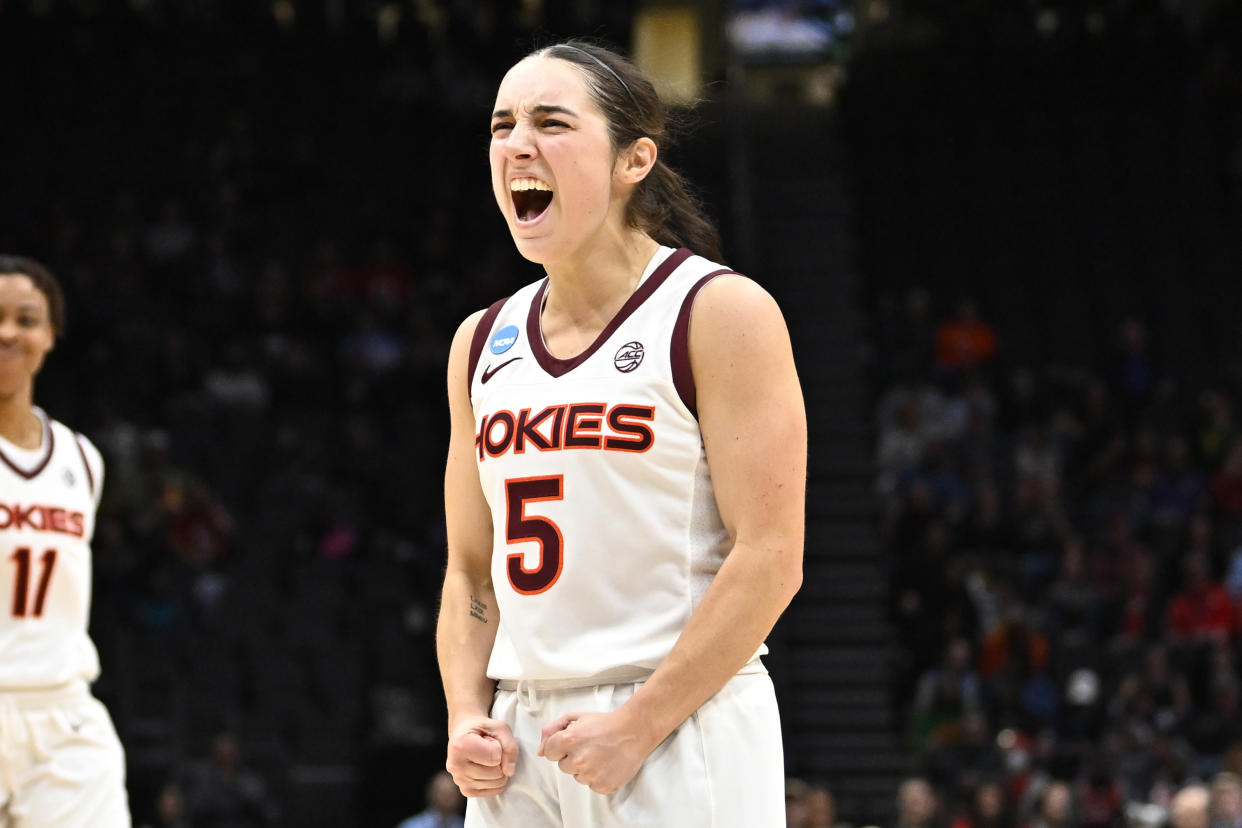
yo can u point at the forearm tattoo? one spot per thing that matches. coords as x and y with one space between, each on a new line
478 609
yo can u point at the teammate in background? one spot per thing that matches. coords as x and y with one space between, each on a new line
61 761
625 484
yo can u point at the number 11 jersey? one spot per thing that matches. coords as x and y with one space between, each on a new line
47 518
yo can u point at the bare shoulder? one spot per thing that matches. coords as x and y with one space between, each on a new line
736 309
465 331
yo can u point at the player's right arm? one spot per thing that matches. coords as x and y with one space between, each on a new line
481 750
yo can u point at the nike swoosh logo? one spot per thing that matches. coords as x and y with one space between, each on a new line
490 372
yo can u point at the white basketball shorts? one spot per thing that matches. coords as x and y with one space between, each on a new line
723 768
61 763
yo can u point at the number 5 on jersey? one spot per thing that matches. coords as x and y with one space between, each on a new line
21 584
522 528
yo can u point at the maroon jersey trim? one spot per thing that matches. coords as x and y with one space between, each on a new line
481 332
679 352
90 478
559 367
48 447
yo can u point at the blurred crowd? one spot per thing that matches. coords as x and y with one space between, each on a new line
1066 571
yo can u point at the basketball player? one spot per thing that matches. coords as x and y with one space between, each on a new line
624 488
61 763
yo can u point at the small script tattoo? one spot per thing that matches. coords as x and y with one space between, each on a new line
478 609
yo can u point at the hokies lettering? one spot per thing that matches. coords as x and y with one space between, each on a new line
42 519
567 426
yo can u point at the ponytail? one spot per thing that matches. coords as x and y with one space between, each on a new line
661 205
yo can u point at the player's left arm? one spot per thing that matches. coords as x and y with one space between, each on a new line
753 421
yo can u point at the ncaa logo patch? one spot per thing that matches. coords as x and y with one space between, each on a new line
504 338
629 357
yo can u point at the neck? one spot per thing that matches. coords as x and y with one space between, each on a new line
601 279
19 424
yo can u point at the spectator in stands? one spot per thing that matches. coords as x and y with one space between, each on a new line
1217 429
1211 728
987 530
821 806
1226 493
169 809
1014 646
222 793
1177 492
1054 807
1041 528
1037 461
1191 807
1134 372
1071 603
1114 554
945 695
900 445
1154 696
1136 612
979 452
1200 611
810 805
964 757
935 473
797 809
445 805
918 804
1100 795
1226 806
1099 444
988 806
965 341
931 601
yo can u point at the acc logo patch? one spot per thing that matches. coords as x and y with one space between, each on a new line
629 357
504 338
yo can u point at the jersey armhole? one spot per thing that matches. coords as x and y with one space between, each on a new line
86 464
679 352
480 339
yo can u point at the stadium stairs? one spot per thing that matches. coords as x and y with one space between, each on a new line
831 653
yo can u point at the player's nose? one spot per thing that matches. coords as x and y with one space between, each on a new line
520 142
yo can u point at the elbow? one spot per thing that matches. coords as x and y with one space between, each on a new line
785 568
791 581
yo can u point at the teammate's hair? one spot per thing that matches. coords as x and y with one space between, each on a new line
662 204
44 282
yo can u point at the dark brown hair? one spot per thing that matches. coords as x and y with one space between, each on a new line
44 281
662 204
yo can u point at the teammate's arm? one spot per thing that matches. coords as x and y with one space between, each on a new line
481 751
753 421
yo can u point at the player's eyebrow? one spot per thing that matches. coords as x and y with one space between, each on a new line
539 109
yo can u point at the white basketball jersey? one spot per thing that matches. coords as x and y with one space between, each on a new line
607 532
47 519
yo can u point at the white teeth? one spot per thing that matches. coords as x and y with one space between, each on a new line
519 184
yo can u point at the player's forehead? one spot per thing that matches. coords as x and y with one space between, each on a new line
538 81
20 289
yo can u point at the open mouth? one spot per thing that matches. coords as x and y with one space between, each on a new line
531 198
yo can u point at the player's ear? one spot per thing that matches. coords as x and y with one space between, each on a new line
636 160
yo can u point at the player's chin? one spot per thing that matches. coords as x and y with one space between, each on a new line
536 246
